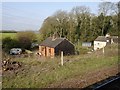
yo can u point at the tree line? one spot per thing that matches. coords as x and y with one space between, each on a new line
80 24
8 31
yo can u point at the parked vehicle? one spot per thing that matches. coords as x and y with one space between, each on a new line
34 45
15 51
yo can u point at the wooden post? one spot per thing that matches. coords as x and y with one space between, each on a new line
62 58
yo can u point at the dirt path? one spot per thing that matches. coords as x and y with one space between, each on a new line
87 79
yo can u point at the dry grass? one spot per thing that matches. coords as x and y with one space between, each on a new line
41 72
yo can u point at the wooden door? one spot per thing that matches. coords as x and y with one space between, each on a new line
45 51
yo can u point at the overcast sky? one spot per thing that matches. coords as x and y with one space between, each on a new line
30 15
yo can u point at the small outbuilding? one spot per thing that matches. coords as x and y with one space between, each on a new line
86 44
53 46
102 41
99 42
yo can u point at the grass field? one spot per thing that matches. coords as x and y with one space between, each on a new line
13 35
4 35
41 72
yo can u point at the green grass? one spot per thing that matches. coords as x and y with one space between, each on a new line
41 73
35 77
4 35
13 36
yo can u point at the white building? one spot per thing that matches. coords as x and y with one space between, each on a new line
99 42
102 41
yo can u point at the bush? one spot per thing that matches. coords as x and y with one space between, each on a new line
8 43
24 42
25 39
80 50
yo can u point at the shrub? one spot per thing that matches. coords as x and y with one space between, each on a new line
8 43
26 38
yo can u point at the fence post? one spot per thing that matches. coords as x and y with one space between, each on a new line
62 58
103 50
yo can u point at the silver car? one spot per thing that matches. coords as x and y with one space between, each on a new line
15 51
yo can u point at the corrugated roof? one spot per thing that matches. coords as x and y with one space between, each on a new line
51 43
114 37
101 38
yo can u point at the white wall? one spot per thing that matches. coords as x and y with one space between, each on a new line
99 45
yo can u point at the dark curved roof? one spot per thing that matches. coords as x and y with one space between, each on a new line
49 42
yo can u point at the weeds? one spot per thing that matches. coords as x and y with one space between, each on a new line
40 73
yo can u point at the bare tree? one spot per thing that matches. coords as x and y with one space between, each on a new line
115 8
62 19
82 18
105 8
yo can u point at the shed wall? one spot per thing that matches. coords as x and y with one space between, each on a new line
99 45
46 51
66 47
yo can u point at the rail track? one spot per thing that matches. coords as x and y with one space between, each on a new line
112 82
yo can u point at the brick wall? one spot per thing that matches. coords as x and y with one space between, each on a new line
46 51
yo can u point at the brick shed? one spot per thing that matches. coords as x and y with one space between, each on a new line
53 46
